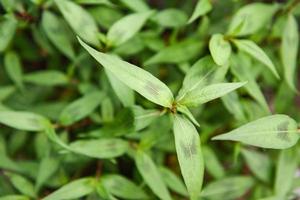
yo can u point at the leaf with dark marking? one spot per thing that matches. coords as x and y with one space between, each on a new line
275 132
189 154
134 77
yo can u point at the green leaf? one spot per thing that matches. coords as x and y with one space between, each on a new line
122 187
151 175
286 94
242 70
202 7
73 190
7 31
107 110
103 192
105 16
287 165
22 184
232 103
134 77
6 91
95 2
136 5
123 92
14 197
220 49
173 181
203 73
21 120
48 166
259 164
8 5
143 117
257 53
253 17
177 53
275 132
46 78
100 148
208 93
212 164
272 198
57 33
80 20
228 188
289 50
171 18
127 27
184 110
81 108
188 149
13 68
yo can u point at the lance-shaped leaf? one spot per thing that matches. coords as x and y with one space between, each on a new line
204 72
184 110
6 91
257 53
188 148
14 197
208 93
242 70
21 120
289 50
251 18
275 132
134 77
173 181
212 164
136 5
123 92
81 108
202 7
127 27
259 163
13 68
7 31
177 53
170 18
73 190
46 78
22 184
287 165
80 20
233 105
220 49
48 166
227 188
151 175
100 148
95 2
57 33
143 117
123 187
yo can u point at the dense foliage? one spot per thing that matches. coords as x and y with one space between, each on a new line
136 99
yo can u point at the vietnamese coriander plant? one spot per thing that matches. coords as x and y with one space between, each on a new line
202 107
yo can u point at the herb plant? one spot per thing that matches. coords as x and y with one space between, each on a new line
136 99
